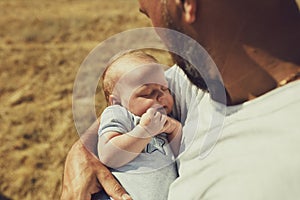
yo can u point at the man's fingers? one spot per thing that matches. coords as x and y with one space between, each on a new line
112 186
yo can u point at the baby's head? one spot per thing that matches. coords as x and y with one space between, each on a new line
136 81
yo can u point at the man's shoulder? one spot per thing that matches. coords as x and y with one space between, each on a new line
173 70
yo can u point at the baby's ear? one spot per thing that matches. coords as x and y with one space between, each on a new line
113 100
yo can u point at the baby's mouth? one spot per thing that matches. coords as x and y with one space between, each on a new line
161 110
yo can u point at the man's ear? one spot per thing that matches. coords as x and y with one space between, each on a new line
113 100
190 10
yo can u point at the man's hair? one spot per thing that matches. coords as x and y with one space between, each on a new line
109 80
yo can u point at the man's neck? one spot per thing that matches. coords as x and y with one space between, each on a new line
243 78
252 64
254 43
249 72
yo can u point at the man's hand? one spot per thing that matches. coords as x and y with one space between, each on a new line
85 175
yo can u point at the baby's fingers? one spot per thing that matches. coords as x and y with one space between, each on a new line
159 118
163 118
151 112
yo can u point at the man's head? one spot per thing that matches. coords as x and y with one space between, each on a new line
231 31
202 19
136 81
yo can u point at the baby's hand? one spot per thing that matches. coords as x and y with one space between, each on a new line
153 121
171 125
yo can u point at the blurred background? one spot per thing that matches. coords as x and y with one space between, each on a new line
42 44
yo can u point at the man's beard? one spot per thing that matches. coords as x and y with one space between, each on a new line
173 42
192 73
197 64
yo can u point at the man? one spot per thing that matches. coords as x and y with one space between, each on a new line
255 44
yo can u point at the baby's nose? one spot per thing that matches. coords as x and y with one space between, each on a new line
160 95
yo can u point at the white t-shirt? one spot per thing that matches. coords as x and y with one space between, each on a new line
256 156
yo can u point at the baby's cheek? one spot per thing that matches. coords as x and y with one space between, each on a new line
140 106
170 104
149 103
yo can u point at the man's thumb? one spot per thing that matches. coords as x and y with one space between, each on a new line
112 186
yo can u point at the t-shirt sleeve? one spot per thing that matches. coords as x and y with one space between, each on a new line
185 93
115 119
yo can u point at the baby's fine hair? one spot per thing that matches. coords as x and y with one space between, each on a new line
108 84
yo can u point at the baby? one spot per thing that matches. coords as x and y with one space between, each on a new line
137 138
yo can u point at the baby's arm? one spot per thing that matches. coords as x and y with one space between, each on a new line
174 130
116 149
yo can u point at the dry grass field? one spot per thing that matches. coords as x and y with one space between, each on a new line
42 44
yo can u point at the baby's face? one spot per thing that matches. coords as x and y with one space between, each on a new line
150 95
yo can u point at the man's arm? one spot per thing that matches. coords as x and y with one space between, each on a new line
85 175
